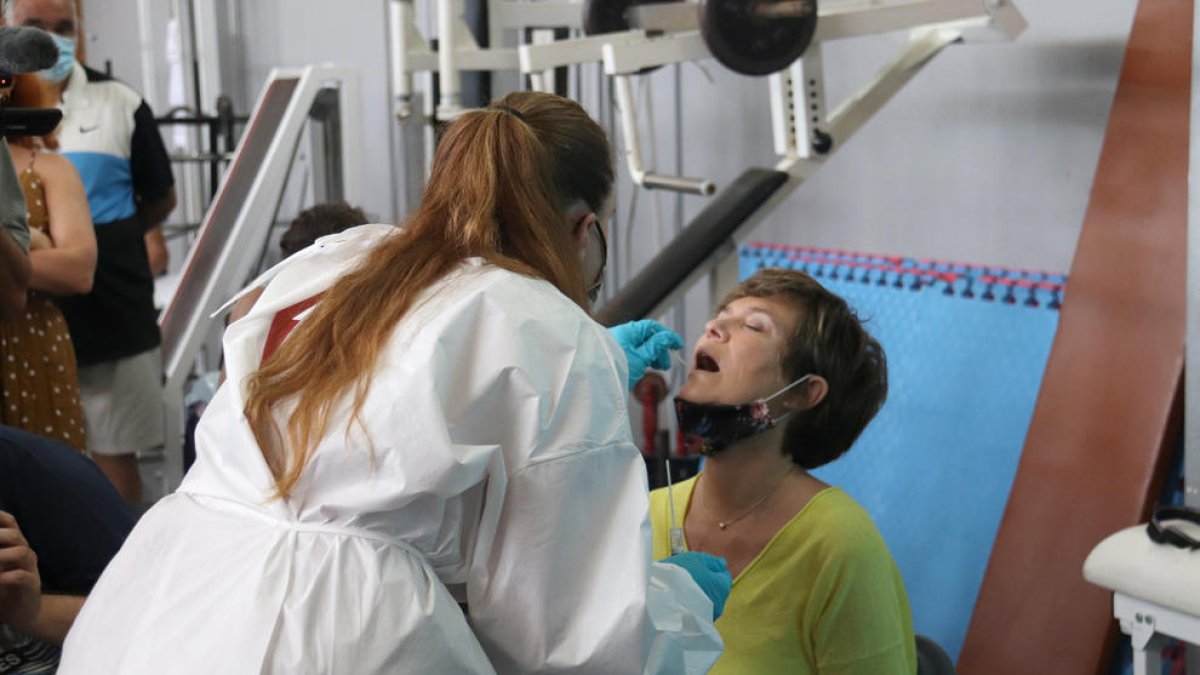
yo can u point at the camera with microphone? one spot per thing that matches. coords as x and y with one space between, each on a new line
25 50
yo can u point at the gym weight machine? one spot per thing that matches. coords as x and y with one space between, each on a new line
629 37
778 38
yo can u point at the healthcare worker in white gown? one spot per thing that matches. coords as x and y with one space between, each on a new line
420 460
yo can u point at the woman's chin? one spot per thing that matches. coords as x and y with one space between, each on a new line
697 391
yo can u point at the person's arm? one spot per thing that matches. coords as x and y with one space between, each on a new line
153 184
152 216
20 583
156 251
14 277
241 307
70 266
78 524
54 620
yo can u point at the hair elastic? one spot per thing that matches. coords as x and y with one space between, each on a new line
510 110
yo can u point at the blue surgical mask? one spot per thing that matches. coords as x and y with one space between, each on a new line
708 428
62 68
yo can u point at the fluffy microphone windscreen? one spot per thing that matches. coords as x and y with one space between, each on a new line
25 50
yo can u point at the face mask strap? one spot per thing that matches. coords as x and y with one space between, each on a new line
593 290
789 387
766 401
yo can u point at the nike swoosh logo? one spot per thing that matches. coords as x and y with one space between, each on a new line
86 130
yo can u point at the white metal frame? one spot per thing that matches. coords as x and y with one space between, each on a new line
627 53
623 88
668 33
207 48
1148 626
458 49
248 236
797 97
842 124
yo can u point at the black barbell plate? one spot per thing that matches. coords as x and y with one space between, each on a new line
605 16
752 42
609 16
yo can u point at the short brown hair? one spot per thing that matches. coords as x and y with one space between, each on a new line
829 341
316 222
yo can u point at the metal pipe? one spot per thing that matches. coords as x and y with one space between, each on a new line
146 34
193 52
695 186
449 77
623 87
400 16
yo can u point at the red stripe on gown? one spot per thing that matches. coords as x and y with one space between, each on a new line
284 322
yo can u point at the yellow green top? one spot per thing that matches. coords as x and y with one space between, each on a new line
823 596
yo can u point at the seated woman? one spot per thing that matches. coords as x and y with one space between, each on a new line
61 522
815 589
39 387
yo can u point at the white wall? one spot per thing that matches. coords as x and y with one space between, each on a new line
106 38
282 33
264 34
987 156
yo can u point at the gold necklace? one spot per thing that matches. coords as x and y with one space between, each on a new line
726 523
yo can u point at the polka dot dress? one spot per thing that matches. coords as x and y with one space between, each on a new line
39 387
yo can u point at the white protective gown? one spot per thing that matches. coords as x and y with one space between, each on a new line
496 469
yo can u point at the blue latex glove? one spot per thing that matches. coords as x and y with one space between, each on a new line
647 344
709 573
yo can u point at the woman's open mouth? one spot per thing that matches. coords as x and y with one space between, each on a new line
706 363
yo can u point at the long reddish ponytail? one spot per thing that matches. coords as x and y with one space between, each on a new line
502 178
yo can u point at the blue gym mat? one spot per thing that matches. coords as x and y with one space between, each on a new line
966 349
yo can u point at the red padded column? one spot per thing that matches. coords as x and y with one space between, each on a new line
1110 407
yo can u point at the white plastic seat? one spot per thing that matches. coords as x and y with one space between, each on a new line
1156 590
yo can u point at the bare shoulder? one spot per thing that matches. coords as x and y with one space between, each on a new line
243 305
53 166
20 154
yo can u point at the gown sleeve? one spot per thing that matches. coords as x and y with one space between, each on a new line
562 578
570 586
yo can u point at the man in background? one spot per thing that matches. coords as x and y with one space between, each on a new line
109 133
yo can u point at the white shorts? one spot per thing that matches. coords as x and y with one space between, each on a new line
123 404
